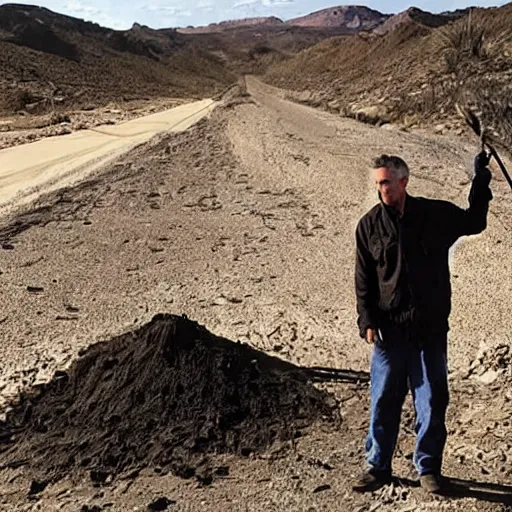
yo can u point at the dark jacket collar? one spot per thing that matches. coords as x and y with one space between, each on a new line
391 213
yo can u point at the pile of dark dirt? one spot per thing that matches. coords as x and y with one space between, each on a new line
167 396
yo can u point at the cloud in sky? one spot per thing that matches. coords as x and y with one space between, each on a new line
206 5
262 3
94 11
245 3
167 10
121 14
77 6
270 3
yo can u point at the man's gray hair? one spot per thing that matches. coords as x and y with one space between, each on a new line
394 164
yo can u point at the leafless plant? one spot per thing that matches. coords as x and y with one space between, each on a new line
462 41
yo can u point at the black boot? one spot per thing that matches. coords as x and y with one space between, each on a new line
372 480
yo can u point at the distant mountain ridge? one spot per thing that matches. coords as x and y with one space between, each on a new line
232 24
415 15
349 17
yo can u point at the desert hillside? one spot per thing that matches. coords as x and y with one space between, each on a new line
412 70
48 59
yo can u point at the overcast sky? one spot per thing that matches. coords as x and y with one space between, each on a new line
121 14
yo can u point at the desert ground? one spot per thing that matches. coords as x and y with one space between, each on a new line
245 224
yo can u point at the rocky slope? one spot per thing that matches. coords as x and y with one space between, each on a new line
414 73
49 61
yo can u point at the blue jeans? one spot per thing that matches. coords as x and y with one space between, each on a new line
399 363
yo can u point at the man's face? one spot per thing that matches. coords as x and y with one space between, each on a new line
391 188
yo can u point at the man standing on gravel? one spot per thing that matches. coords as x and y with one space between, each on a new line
403 302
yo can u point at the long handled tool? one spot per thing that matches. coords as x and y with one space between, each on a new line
474 123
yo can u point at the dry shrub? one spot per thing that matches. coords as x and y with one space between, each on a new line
462 41
260 49
20 98
431 103
490 100
478 38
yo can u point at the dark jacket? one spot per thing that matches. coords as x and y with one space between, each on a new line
402 264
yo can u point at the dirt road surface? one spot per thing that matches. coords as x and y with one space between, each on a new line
29 170
245 223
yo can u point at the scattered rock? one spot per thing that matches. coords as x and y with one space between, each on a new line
321 464
99 477
321 488
37 487
374 114
204 476
160 504
35 289
31 108
304 96
488 377
492 364
334 105
222 471
64 130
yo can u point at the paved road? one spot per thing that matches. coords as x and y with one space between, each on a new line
28 170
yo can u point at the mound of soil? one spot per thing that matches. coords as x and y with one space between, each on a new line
166 395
